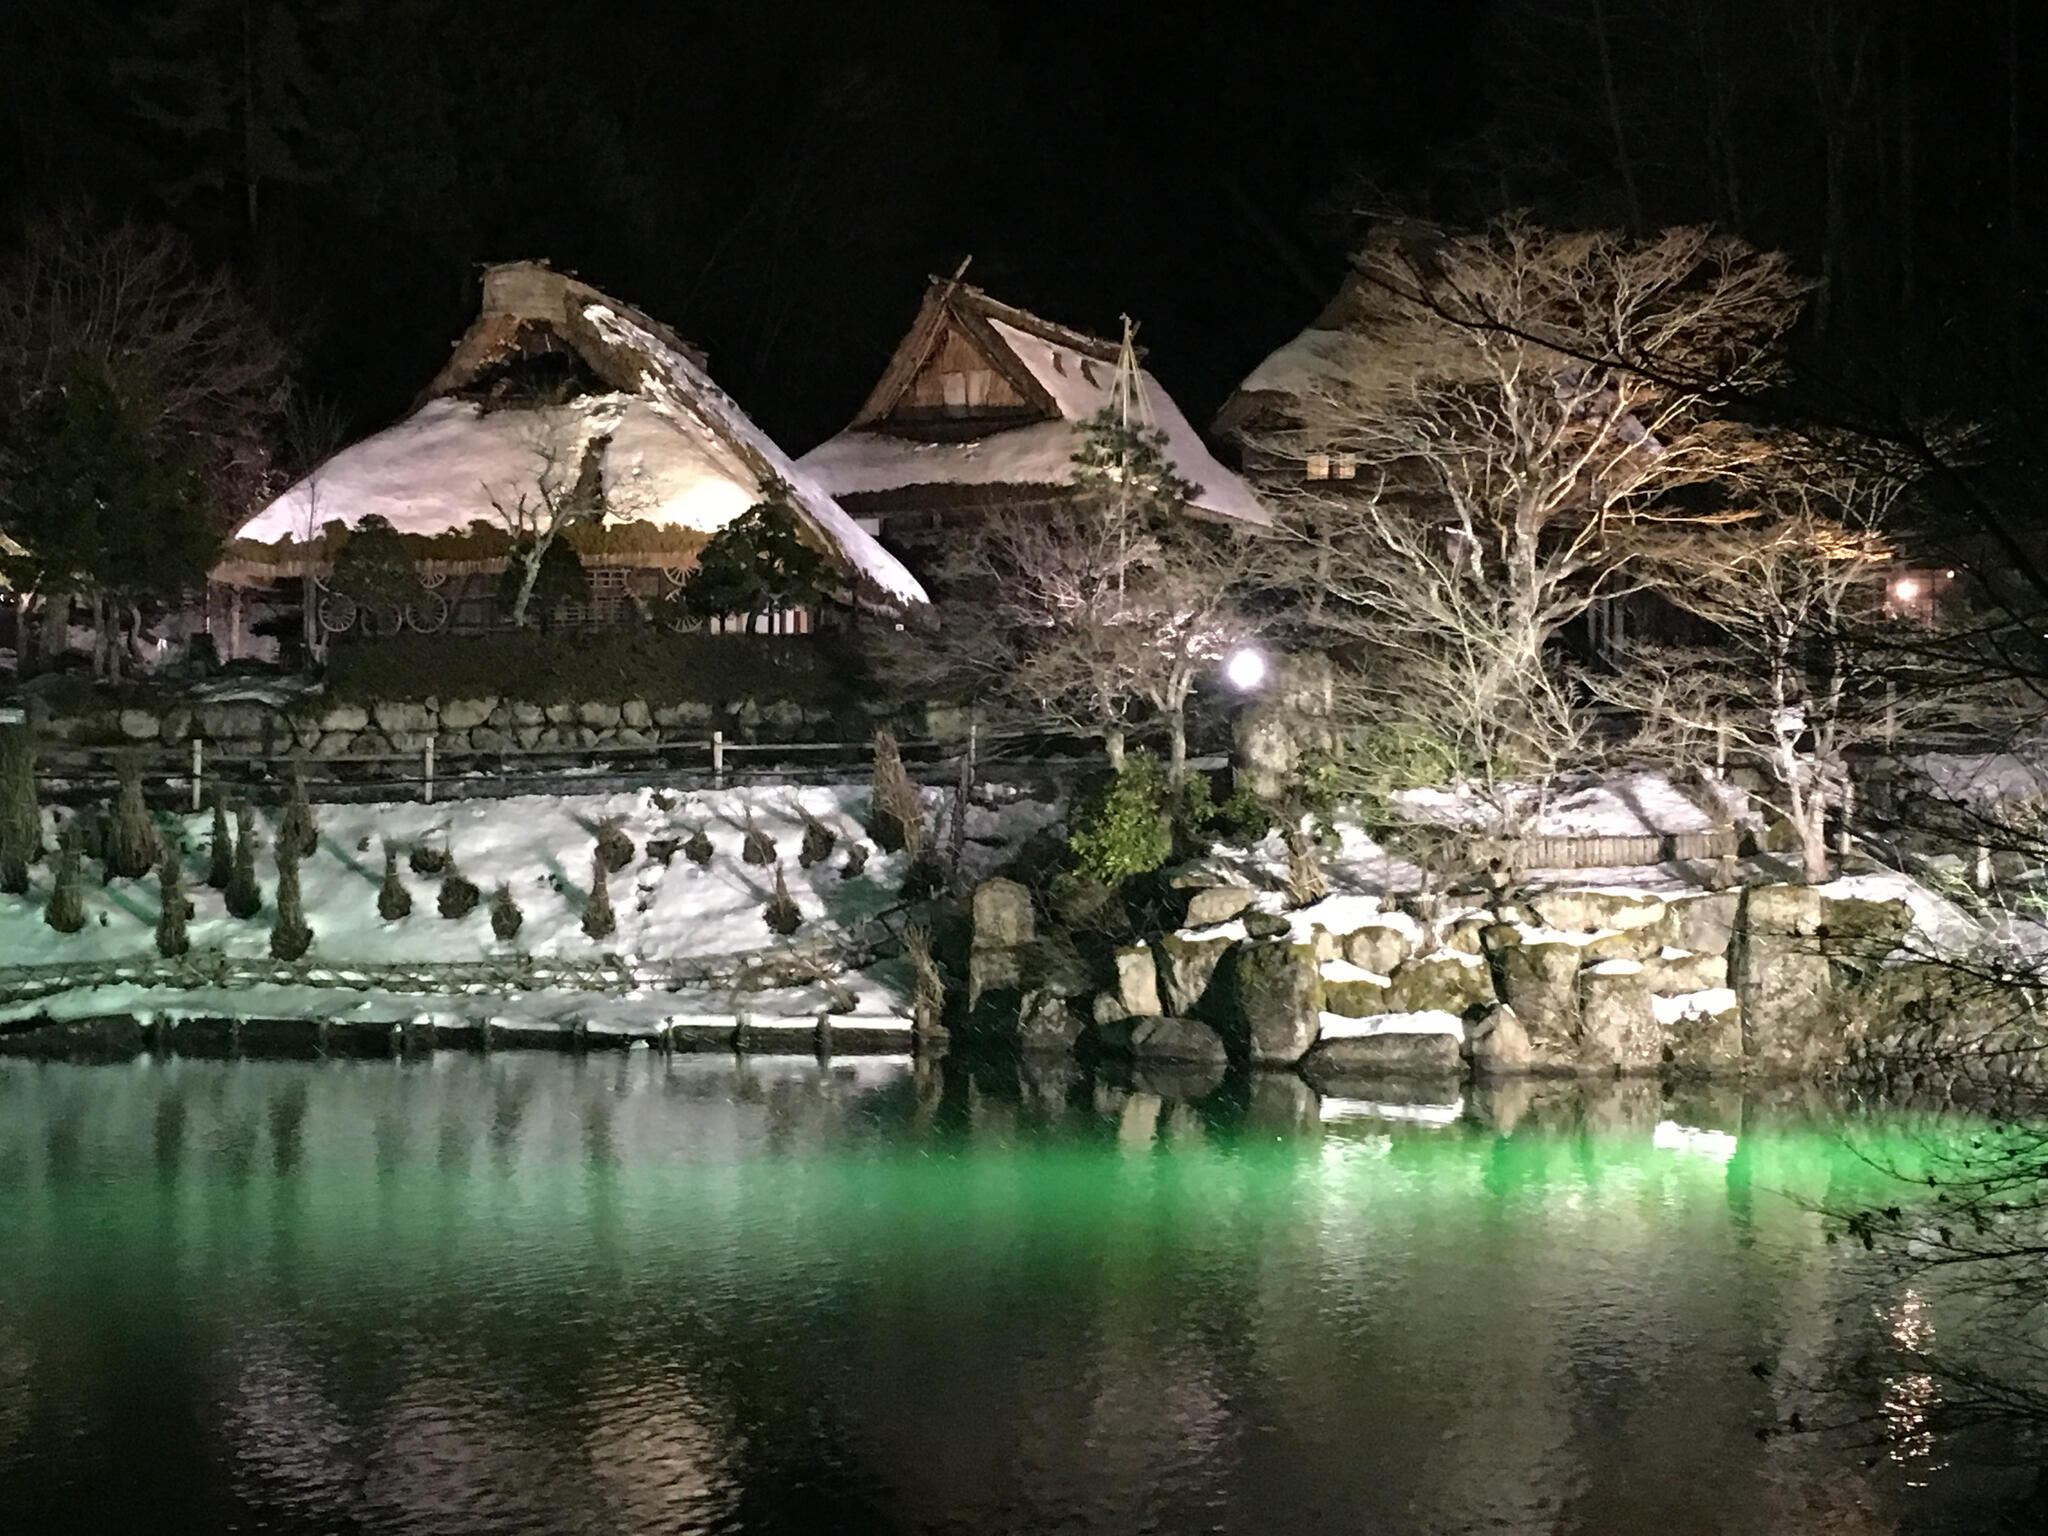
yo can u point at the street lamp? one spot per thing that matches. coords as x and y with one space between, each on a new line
1244 669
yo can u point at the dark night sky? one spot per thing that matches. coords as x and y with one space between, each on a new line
776 181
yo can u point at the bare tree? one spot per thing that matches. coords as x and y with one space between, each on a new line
1520 415
536 518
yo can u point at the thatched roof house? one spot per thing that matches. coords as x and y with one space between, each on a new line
1268 400
982 407
558 389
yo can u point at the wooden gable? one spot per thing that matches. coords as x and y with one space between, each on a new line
952 377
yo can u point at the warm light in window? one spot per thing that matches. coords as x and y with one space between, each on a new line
1906 590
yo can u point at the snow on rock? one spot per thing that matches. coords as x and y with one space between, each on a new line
1617 967
1939 925
1707 1004
1344 970
1434 1021
1335 915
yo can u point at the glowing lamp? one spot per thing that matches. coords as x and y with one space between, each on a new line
1905 591
1244 669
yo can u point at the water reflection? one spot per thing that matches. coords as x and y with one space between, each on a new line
629 1294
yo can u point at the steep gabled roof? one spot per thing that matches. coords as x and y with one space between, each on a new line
1064 377
676 449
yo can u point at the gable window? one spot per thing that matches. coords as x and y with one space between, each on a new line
1344 466
965 390
1316 466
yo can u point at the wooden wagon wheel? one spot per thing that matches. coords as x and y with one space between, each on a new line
335 611
428 613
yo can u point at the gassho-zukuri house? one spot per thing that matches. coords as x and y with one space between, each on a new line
981 409
555 390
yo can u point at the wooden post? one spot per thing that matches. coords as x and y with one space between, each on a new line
1891 713
427 788
718 759
1721 752
1981 875
198 767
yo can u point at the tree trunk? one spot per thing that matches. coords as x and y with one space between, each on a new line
526 580
1176 743
1113 747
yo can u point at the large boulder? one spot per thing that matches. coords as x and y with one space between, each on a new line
1161 1038
1379 947
139 725
1449 981
1218 904
1617 1031
1353 992
597 715
1002 915
396 717
1702 1031
1673 971
1580 911
1401 1048
1703 924
344 717
1540 982
1860 931
1187 964
1137 980
466 714
1499 1044
1783 912
1046 1021
1279 997
1785 988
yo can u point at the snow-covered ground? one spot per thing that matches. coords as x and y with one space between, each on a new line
541 848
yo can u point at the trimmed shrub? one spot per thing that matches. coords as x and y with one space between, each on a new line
599 921
459 897
660 850
698 849
220 853
66 911
394 901
244 897
298 834
781 913
21 820
613 846
1126 828
856 862
426 859
132 840
289 936
925 878
171 939
895 808
819 840
506 918
758 847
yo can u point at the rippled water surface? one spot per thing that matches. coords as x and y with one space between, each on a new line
620 1294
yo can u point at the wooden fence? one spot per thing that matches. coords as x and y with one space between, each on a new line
1600 852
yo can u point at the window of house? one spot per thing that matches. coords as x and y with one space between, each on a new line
1316 466
955 386
1344 466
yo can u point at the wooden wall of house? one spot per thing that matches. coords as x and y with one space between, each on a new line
956 390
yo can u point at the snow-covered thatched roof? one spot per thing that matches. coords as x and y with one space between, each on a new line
1018 423
670 449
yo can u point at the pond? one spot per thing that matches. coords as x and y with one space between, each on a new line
629 1294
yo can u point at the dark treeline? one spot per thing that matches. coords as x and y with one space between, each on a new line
778 181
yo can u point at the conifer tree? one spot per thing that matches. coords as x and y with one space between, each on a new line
132 841
459 895
598 919
896 810
220 863
781 913
394 901
171 940
698 849
757 847
289 935
298 831
244 896
66 911
21 821
506 918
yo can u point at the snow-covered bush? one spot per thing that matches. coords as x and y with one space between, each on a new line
757 847
599 921
394 901
220 853
698 849
171 939
244 898
613 846
298 832
66 911
819 840
506 918
856 862
132 842
289 936
896 812
781 913
459 896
